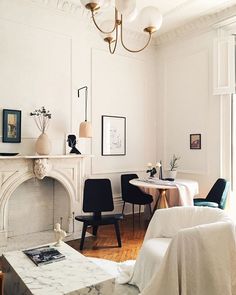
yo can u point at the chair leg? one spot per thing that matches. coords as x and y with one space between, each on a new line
83 235
95 229
139 209
1 283
133 215
150 208
117 229
123 208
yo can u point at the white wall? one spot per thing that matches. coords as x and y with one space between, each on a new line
188 106
45 56
128 94
165 93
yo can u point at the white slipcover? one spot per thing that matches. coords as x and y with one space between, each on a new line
187 251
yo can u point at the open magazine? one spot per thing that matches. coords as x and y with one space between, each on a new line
44 255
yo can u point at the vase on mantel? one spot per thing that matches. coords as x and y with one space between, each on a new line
43 145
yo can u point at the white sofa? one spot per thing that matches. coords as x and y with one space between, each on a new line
174 238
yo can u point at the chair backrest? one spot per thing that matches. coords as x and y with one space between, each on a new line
166 223
97 195
129 191
218 192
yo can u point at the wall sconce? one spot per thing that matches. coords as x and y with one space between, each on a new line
85 128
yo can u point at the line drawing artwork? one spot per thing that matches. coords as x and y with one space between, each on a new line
113 136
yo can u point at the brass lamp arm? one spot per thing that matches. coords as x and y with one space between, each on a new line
112 51
122 42
95 23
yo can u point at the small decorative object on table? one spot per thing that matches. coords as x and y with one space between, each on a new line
173 166
44 255
41 118
59 234
153 170
160 170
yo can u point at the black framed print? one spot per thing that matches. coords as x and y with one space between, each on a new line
195 141
113 136
11 126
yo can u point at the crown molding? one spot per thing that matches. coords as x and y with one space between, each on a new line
199 25
202 24
67 6
75 9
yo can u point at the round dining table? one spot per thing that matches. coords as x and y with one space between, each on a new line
168 193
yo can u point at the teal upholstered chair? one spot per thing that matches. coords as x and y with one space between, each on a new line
216 197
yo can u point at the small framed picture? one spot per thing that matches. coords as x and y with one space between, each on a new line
113 136
11 126
71 142
195 141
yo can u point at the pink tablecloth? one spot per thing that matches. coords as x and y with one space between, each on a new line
180 195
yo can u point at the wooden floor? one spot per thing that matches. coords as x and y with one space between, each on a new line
105 244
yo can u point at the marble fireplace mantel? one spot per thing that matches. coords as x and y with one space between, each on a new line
15 170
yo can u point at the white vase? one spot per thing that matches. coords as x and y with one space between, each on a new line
43 145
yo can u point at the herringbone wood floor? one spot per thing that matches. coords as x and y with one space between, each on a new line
105 244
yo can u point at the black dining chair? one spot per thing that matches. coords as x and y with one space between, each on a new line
98 198
133 194
1 282
216 197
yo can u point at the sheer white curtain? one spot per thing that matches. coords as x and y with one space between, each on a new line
232 198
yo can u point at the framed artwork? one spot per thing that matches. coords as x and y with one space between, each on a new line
113 136
195 141
11 126
71 142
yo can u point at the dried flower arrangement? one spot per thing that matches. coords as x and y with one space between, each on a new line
41 118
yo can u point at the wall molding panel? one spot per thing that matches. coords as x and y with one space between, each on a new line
186 98
110 98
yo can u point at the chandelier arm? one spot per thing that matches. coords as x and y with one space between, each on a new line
96 25
130 50
112 51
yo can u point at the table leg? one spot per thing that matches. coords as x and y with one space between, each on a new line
162 200
155 194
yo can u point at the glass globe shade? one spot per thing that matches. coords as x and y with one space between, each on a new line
125 6
107 26
106 3
85 2
151 17
131 16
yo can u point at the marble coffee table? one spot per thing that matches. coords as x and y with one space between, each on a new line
74 275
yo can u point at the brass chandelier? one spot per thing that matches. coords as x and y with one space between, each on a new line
150 18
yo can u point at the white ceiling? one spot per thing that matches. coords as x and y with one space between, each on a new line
175 12
178 12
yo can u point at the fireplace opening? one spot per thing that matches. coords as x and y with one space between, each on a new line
36 205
